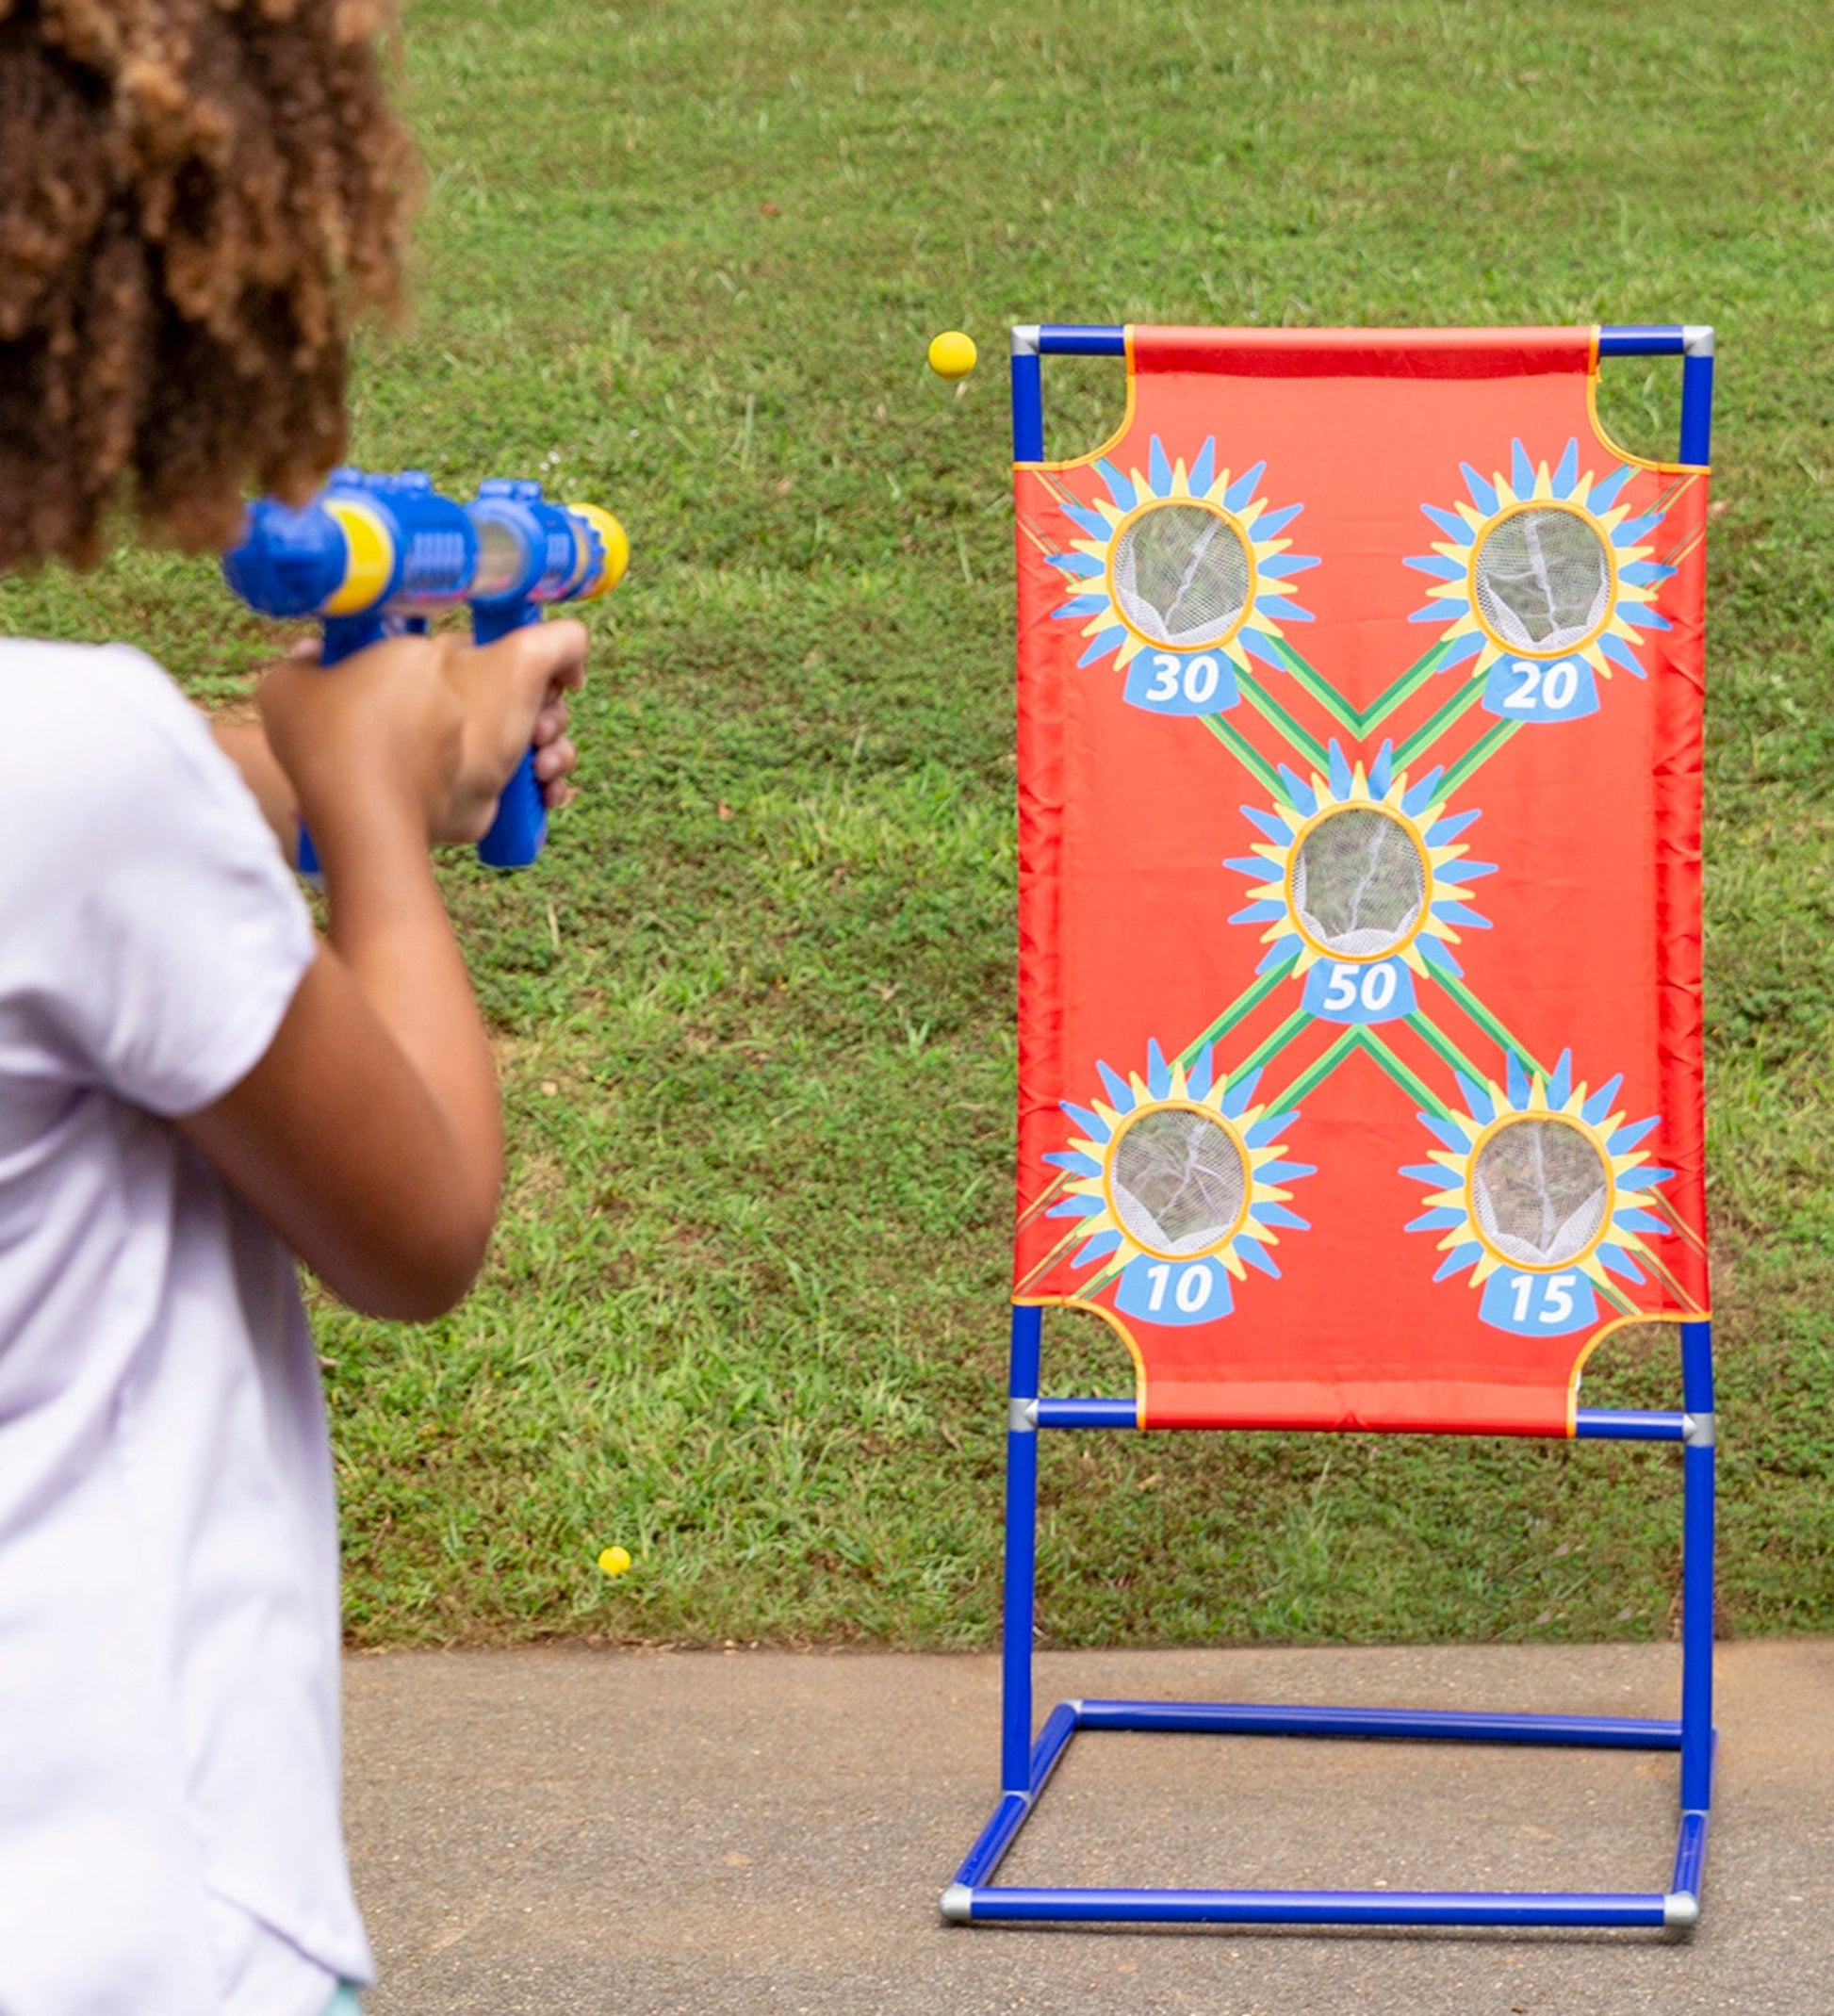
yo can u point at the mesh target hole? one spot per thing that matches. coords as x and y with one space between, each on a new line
1181 575
1539 1190
1543 580
1359 885
1178 1181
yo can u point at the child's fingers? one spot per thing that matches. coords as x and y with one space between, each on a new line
555 760
550 723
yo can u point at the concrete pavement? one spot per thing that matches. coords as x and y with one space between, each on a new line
566 1831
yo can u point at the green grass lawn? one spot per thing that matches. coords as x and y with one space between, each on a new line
745 1316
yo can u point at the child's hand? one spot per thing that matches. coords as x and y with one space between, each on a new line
424 728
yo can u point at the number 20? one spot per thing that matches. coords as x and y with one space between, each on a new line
1555 684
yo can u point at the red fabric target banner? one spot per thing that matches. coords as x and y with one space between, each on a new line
1360 743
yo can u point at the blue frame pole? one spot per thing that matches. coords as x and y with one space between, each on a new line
1697 1572
1021 1555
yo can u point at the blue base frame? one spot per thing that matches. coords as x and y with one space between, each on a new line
1026 1765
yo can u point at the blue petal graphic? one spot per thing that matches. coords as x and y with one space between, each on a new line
1632 530
1618 1262
1285 611
1627 1137
1075 1161
1482 494
1158 470
1264 1129
1559 1087
1158 1076
1240 1095
1464 872
1442 832
1478 1101
1284 1171
1460 648
1099 646
1519 1088
1437 954
1622 654
1277 1214
1569 472
1644 1178
1382 771
1459 1259
1092 522
1641 617
1447 612
1440 569
1446 1132
1198 1078
1120 1094
1265 911
1337 764
1240 493
1099 1248
1077 1207
1597 1110
1442 1218
1430 1173
1092 1125
1635 1220
1281 564
1276 829
1278 953
1271 523
1299 792
1254 1255
1451 524
1521 471
1252 864
1420 795
1126 496
1603 494
1203 470
1083 565
1642 573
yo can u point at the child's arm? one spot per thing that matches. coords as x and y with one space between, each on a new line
368 1135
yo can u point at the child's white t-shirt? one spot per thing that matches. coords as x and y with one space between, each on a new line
169 1842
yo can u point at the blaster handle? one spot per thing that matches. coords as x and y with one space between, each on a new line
520 831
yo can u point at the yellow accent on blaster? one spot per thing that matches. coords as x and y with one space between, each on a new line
372 558
611 538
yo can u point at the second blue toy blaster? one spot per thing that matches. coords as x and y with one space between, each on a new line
374 555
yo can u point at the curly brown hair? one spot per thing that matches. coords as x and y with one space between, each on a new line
197 199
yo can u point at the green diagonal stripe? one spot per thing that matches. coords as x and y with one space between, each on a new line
1314 1074
1270 710
1424 1028
1457 990
1297 1020
1244 753
1437 723
1238 1010
1317 686
1415 1088
1480 753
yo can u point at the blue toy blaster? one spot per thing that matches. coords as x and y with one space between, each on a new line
372 556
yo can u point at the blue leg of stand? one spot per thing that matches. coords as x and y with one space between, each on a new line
1696 1610
1021 1559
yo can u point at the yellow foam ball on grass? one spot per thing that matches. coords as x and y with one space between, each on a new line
614 1560
952 354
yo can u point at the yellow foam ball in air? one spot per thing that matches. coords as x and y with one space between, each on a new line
952 354
614 1560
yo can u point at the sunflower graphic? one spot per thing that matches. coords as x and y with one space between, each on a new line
1536 1191
1179 1182
1181 578
1360 879
1544 585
